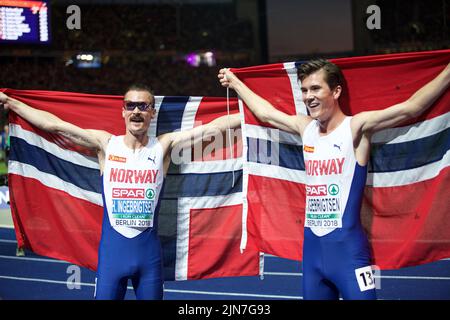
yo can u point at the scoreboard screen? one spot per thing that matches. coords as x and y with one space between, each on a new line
24 21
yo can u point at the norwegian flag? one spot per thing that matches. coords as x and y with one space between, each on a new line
407 195
55 187
208 202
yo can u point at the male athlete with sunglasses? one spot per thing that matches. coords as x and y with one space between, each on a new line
133 167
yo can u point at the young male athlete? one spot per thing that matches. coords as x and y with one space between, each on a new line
134 162
336 251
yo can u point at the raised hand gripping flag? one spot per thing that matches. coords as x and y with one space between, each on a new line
407 196
55 187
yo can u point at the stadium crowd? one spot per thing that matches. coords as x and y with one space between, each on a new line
145 44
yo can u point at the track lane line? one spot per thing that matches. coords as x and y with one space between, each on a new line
165 290
296 274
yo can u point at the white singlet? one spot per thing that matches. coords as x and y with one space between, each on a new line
132 182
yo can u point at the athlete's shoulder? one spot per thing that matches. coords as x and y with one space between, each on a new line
359 120
101 136
166 140
303 121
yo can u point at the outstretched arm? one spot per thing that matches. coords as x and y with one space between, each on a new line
204 132
46 121
261 108
373 121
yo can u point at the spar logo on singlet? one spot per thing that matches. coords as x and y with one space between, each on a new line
321 190
324 167
133 193
333 189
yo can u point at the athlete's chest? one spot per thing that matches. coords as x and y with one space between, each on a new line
327 156
142 166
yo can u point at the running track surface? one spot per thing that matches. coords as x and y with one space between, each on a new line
35 277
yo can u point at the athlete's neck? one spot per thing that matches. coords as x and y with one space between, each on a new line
328 125
135 142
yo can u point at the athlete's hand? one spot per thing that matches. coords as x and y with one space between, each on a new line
3 101
226 78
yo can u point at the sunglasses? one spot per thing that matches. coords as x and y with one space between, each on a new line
142 106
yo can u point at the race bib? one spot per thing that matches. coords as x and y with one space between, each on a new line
365 278
323 206
133 207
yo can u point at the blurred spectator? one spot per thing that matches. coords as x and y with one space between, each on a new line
4 136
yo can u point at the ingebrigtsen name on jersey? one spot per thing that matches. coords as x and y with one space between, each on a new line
133 176
324 167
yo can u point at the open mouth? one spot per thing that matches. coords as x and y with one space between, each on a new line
313 105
